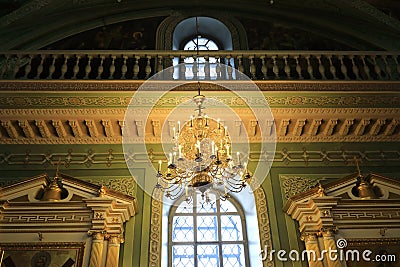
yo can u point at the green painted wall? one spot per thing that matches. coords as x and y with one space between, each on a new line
135 250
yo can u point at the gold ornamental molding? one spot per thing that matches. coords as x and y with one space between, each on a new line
133 85
106 126
120 112
293 185
284 157
275 99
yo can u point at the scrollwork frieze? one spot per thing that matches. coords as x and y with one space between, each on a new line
155 229
59 141
125 185
334 111
123 99
62 112
118 140
284 156
263 221
293 185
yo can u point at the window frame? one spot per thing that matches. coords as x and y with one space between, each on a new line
209 28
193 36
194 214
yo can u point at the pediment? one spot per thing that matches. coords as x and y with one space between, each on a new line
64 199
32 190
346 188
367 202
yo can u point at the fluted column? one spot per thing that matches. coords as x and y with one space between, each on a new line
114 242
311 242
96 254
330 246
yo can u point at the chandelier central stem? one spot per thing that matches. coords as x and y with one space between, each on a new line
201 159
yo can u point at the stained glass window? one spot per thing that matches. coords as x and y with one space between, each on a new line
207 232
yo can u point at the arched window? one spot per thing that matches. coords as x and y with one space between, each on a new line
180 218
205 34
204 44
207 232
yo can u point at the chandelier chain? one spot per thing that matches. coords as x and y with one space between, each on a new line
201 158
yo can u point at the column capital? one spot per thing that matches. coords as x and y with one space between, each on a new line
115 239
309 236
328 231
97 234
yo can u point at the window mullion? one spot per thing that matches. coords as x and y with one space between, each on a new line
195 230
219 232
219 242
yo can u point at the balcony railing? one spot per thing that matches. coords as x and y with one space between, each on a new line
258 65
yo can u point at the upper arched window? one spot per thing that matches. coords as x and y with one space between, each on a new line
204 34
203 44
208 232
210 28
200 43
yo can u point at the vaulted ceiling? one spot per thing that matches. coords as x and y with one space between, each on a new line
369 26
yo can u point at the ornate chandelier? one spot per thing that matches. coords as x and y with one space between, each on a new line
201 159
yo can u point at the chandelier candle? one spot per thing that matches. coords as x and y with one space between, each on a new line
204 164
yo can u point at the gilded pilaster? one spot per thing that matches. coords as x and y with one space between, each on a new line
113 247
96 254
332 257
312 247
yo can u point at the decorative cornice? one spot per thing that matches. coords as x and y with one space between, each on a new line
305 157
133 85
120 100
118 140
104 125
124 185
120 112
